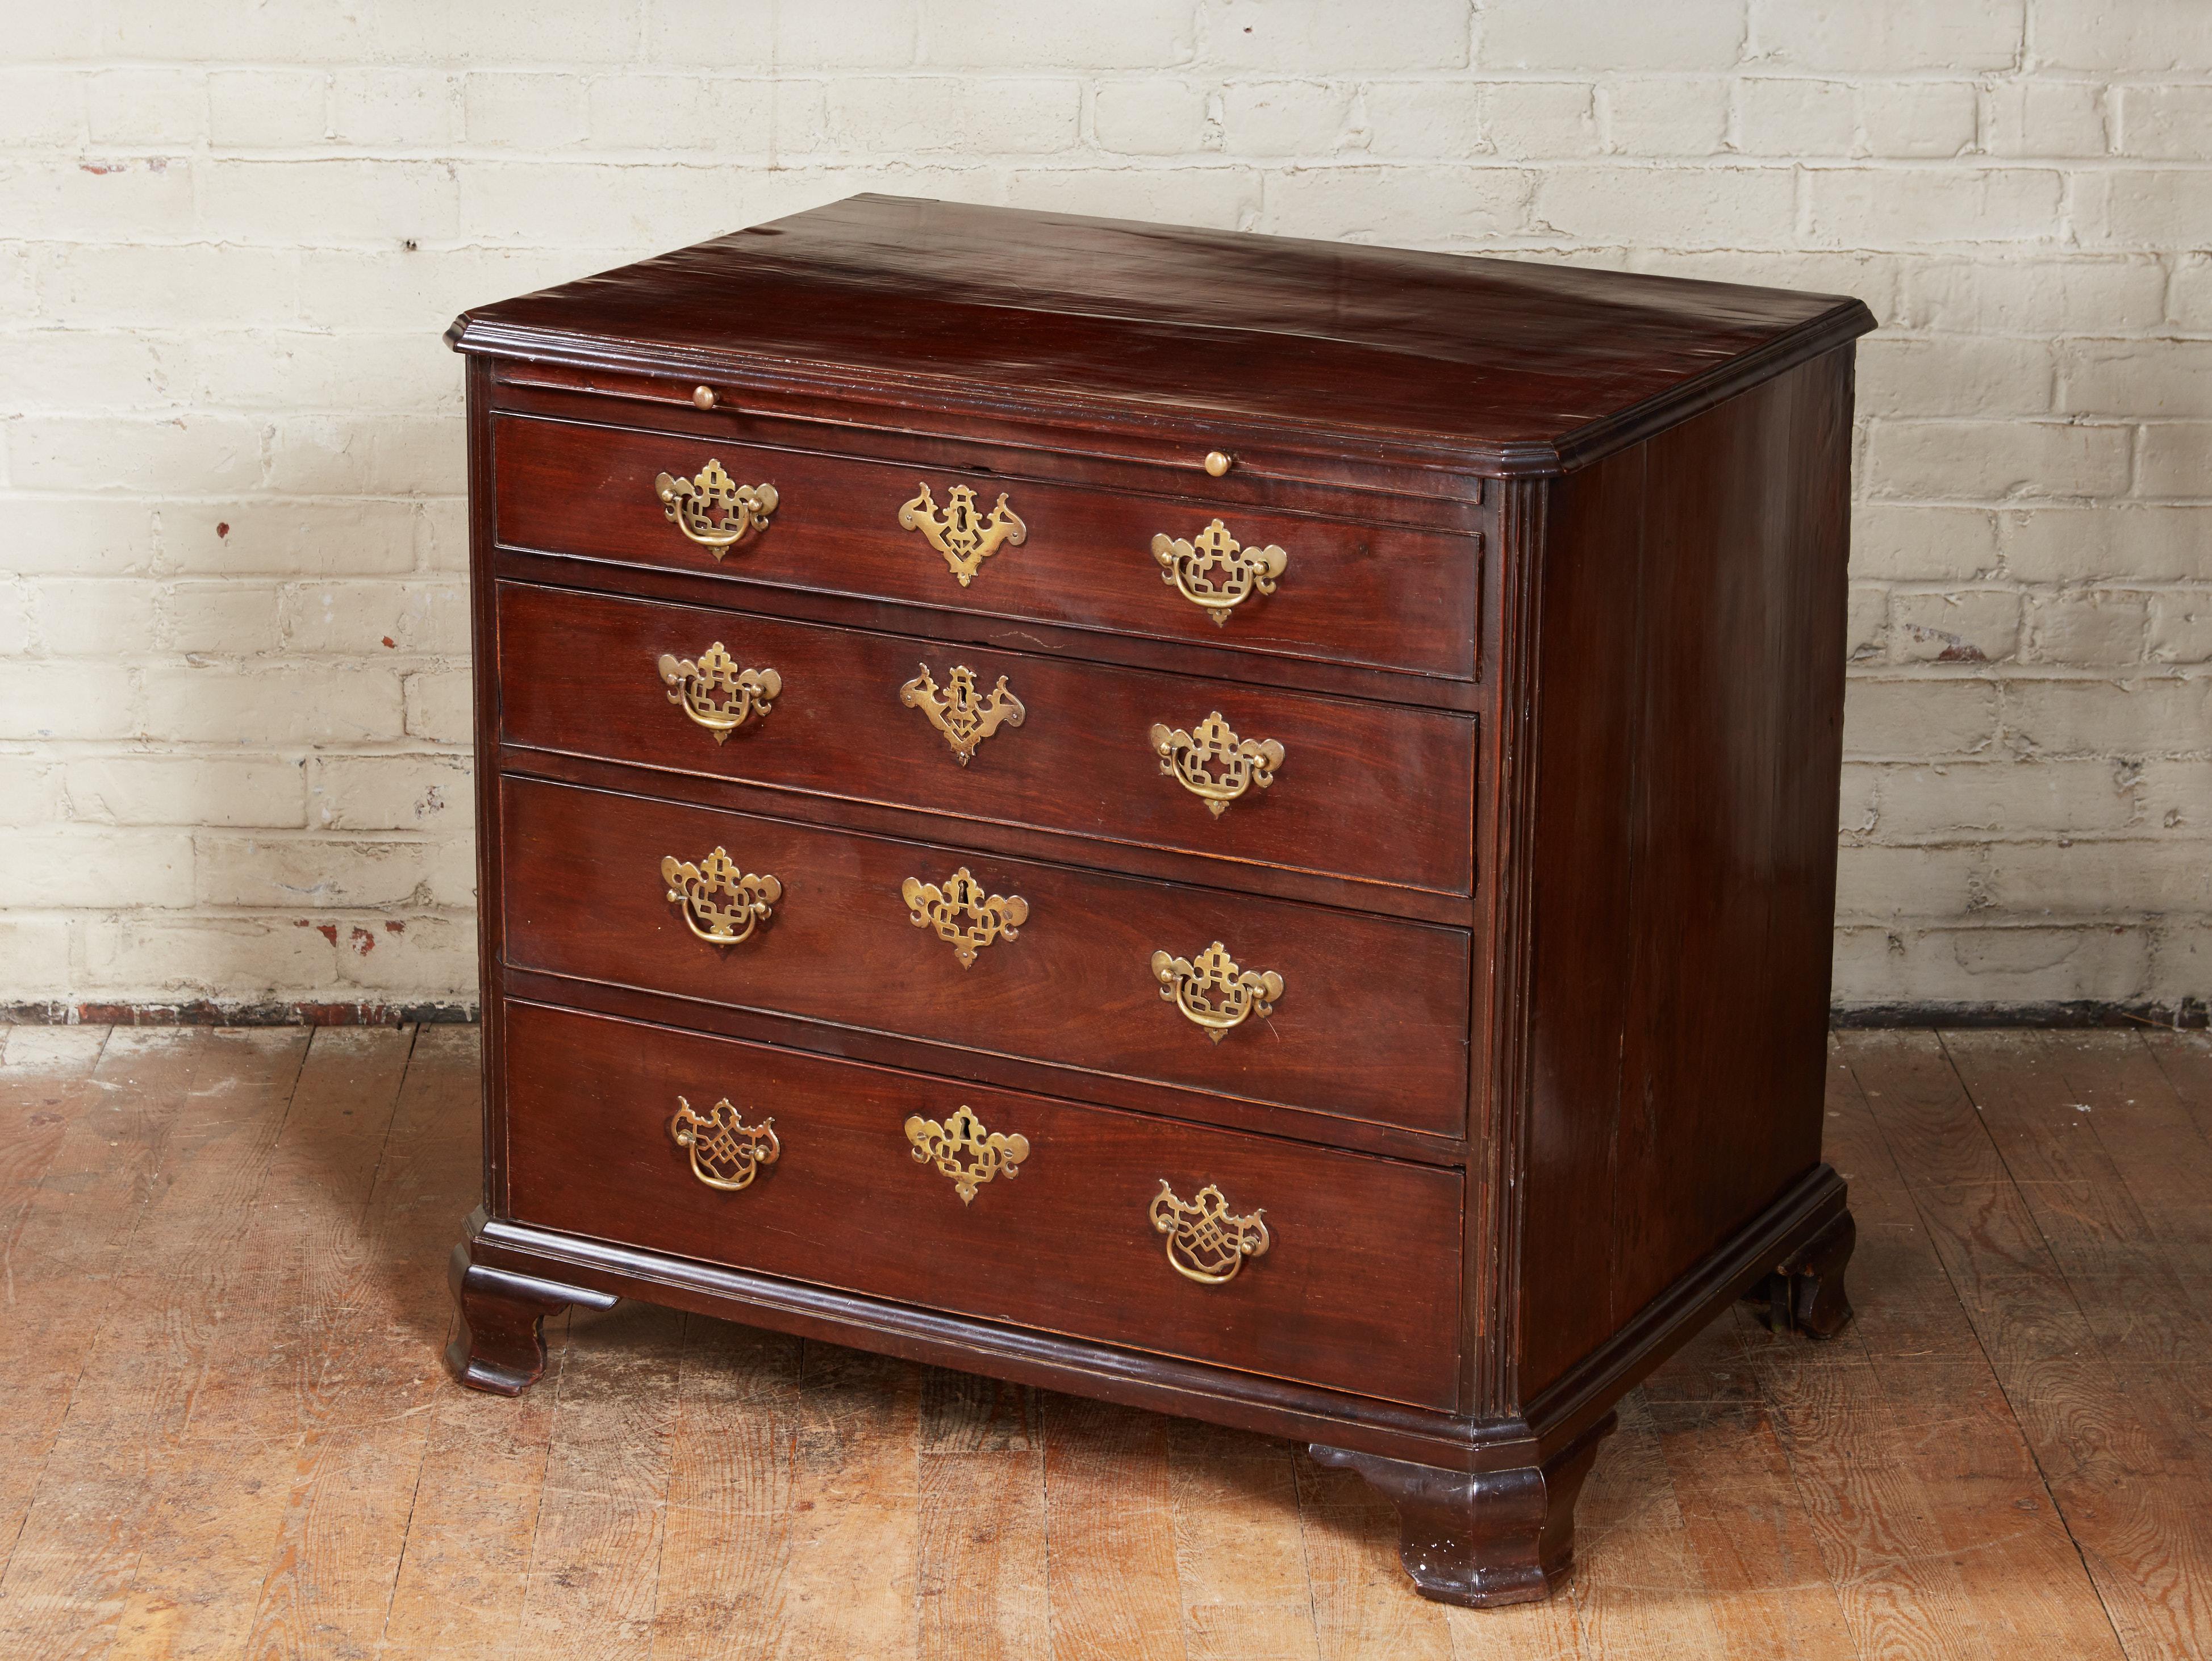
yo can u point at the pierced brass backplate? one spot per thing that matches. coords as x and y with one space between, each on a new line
964 535
717 694
1216 571
1212 991
959 711
963 1150
726 1153
1214 764
712 508
962 913
722 904
1205 1243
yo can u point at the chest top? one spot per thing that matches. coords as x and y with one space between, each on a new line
1498 367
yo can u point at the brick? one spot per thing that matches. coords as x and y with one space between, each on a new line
1373 204
2135 377
2045 118
1541 120
267 109
1953 375
1867 624
1897 720
92 866
1020 35
1870 278
392 107
1924 544
2135 718
2142 36
1223 199
429 793
1290 118
97 283
65 700
59 370
1152 117
41 105
2087 626
1684 207
1858 806
1887 208
1298 35
325 202
2181 962
1978 967
291 705
1570 34
1920 118
35 960
2143 208
425 289
316 873
229 958
60 534
30 790
1674 117
186 790
245 539
368 619
84 200
1880 883
1885 36
525 112
562 202
187 453
227 619
93 617
1990 460
166 106
2005 799
299 369
2049 296
2174 458
2188 295
684 112
1431 118
367 455
1796 116
439 707
2130 878
441 534
2180 627
2176 797
1972 625
2077 544
423 957
924 114
431 31
2165 123
850 35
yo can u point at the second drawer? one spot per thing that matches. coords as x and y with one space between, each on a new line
1251 774
1335 1012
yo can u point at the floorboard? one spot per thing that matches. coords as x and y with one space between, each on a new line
224 1431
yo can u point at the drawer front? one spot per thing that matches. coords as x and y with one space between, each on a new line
1378 596
1356 1286
884 718
1368 1014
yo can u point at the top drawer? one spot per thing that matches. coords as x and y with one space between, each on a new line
1379 595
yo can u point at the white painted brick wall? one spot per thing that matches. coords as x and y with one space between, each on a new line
233 715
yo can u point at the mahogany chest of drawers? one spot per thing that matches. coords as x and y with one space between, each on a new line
1239 825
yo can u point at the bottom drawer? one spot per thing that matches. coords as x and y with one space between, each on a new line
1083 1220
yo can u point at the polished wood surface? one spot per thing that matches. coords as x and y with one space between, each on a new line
579 677
1359 1287
239 1445
1501 360
1350 591
1370 1025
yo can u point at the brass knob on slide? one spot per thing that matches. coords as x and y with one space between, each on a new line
704 396
1217 462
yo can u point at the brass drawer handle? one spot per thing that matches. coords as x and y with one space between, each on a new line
1212 764
1216 571
987 917
1212 991
964 537
963 1150
1205 1243
712 508
726 1153
716 892
963 715
717 694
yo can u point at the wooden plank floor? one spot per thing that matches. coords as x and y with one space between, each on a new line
224 1431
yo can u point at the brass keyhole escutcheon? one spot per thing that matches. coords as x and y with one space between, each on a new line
962 1149
960 532
960 710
